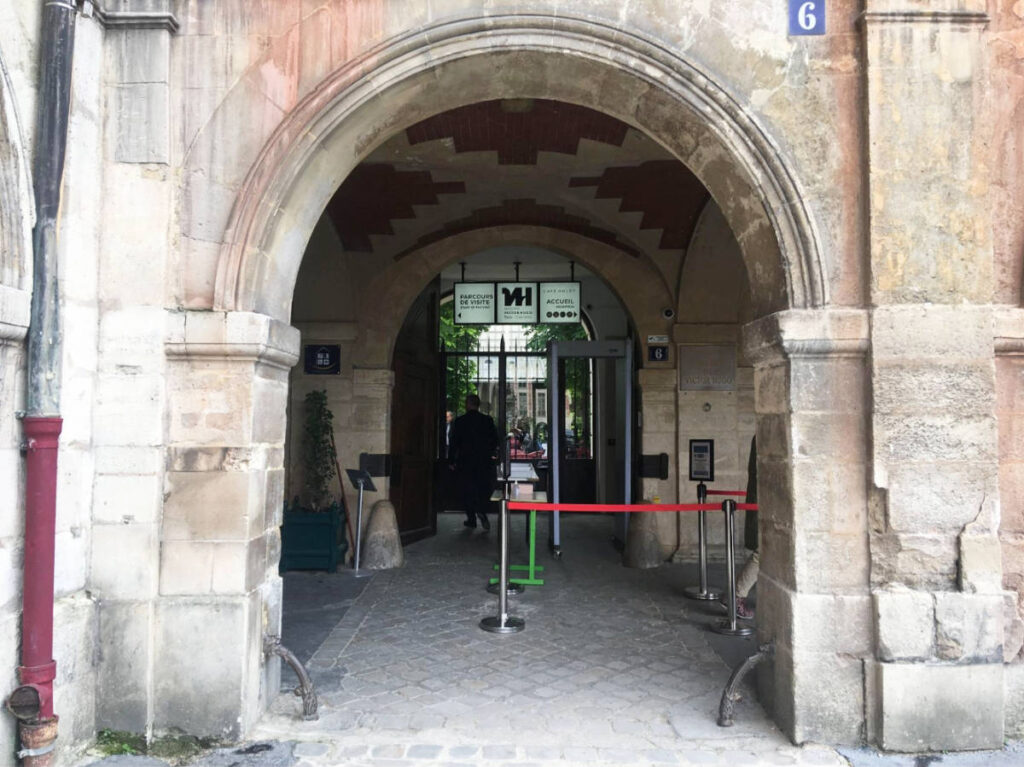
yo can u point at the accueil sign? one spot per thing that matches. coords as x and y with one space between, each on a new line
516 303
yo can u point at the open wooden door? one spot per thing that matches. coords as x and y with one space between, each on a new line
415 419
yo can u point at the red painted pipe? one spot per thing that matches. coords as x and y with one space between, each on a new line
38 667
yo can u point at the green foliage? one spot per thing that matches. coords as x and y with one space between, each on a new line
461 372
318 457
117 742
176 748
577 371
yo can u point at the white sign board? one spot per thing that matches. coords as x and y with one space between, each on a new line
474 303
517 303
559 302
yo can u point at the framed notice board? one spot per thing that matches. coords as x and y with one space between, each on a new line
702 460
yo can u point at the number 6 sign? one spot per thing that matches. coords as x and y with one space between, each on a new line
806 17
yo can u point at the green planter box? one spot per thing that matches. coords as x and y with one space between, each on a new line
312 540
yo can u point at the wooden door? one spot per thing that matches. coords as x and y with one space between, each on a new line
414 420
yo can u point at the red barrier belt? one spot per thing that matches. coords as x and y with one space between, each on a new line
612 507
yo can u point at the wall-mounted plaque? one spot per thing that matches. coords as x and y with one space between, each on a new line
322 359
707 368
702 460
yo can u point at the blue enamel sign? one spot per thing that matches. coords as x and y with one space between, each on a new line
806 17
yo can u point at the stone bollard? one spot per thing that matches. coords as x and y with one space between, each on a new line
642 547
382 545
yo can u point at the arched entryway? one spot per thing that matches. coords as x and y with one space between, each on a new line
795 353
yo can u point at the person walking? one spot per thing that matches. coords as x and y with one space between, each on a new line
471 455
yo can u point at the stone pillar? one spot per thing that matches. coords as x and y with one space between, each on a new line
812 448
1010 414
657 401
227 379
935 564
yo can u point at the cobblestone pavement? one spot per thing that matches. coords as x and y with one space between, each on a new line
614 667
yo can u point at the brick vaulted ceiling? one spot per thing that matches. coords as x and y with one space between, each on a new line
542 163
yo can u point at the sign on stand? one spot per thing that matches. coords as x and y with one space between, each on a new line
702 460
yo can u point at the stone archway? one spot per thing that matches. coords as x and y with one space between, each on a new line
450 65
17 210
796 347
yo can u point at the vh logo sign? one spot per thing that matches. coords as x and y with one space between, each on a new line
520 296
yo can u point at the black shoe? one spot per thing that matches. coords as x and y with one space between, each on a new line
469 523
484 522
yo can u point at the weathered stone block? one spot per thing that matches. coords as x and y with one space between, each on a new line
817 555
1014 699
905 622
934 437
207 506
771 389
124 561
930 707
124 664
126 498
835 385
832 712
204 567
182 655
946 496
923 562
826 496
128 410
969 627
382 545
832 623
919 331
913 386
643 547
142 133
980 563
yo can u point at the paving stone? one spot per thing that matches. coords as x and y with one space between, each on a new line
311 749
421 751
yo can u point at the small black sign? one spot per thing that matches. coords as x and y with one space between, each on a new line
323 359
657 354
702 460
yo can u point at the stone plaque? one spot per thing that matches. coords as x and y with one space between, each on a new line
707 368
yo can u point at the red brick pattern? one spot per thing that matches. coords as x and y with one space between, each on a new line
668 195
528 213
517 136
374 194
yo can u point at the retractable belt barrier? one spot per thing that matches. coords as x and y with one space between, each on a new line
503 623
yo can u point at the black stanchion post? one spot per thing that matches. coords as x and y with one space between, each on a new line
702 591
729 626
503 623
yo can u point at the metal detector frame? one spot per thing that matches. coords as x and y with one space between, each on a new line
559 350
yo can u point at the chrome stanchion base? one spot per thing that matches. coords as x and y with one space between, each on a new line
513 590
725 627
494 625
694 592
353 573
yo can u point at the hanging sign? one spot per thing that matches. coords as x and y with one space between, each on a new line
474 303
516 303
559 302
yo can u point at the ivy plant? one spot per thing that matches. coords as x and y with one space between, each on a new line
319 457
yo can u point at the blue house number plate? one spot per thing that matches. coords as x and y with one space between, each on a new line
806 17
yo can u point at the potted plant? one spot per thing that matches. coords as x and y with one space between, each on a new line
311 536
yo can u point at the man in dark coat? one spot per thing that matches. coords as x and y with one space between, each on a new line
472 451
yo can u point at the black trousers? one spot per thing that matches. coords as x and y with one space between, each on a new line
475 487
